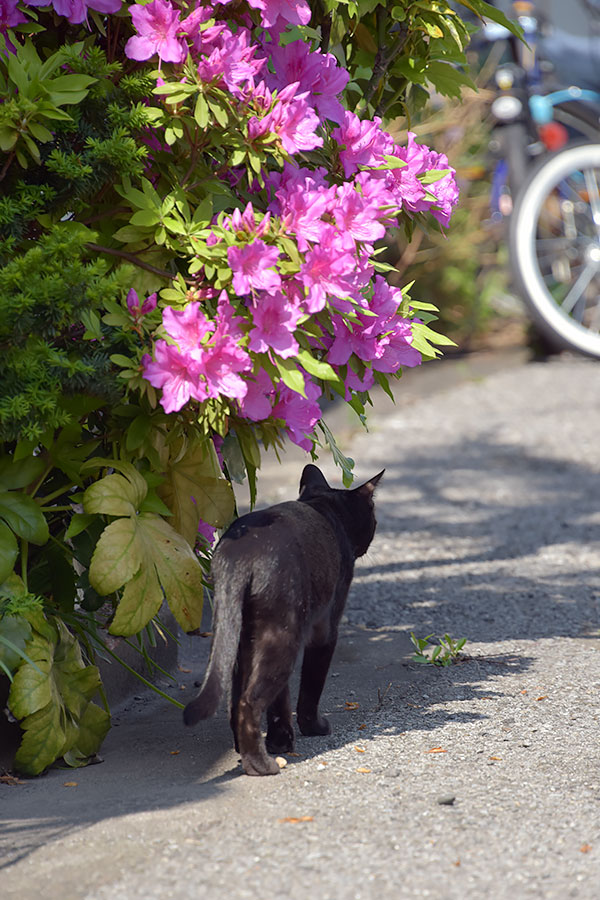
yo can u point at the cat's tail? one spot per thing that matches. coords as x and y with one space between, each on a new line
223 654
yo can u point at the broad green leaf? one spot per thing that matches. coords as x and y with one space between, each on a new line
138 431
141 600
39 131
194 488
18 474
127 469
43 739
31 689
93 727
24 516
15 631
145 217
316 367
290 375
117 557
9 551
433 175
53 702
113 495
201 112
178 569
234 457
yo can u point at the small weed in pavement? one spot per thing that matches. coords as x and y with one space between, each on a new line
444 653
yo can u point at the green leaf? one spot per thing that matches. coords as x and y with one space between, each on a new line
93 727
145 217
138 431
39 131
179 571
345 463
31 689
24 516
290 375
79 522
117 557
20 473
234 457
42 742
316 367
138 482
113 495
15 631
201 112
433 175
194 488
141 600
53 701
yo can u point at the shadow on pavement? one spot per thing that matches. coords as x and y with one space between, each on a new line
505 548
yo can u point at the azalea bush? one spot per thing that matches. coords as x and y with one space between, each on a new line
193 198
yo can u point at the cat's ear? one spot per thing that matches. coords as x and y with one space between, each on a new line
312 477
368 488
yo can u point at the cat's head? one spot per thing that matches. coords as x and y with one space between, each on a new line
355 507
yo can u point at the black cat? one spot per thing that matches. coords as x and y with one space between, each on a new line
281 578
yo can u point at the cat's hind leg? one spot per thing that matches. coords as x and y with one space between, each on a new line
267 666
280 730
315 666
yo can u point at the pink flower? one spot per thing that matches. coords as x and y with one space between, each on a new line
274 322
188 326
316 73
232 60
206 533
256 405
175 373
295 122
357 215
220 363
136 307
329 269
296 12
357 338
11 15
299 413
246 222
76 10
396 348
251 267
302 202
364 143
292 119
227 321
409 191
158 28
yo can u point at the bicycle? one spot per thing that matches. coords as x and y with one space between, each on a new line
552 195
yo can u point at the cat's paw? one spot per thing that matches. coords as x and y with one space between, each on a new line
280 738
253 764
317 725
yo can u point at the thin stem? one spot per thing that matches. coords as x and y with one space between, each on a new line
141 677
7 164
24 559
130 257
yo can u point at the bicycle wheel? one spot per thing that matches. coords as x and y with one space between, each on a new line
554 243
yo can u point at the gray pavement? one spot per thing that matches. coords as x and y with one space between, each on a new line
479 780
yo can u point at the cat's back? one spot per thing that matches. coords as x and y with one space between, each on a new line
272 526
290 534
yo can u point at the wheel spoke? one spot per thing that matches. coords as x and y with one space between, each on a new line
591 184
578 288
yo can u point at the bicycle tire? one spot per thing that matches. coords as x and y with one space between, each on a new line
554 247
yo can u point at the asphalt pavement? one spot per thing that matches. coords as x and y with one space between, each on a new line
476 780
